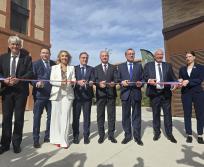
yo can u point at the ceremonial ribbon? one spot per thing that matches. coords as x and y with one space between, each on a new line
70 81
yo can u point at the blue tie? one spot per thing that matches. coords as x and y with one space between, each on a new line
82 73
131 71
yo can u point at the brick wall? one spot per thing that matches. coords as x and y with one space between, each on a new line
178 11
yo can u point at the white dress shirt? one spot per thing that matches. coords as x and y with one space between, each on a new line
157 75
11 60
104 66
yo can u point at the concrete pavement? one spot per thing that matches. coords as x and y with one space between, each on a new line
159 153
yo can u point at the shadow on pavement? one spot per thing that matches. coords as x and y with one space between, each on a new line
140 162
191 157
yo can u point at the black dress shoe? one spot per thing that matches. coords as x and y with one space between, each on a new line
112 139
86 141
189 139
76 140
3 149
101 140
172 139
36 145
200 140
16 149
46 140
139 142
125 140
156 137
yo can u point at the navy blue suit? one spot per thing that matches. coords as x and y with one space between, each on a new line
131 97
160 98
41 98
83 100
193 93
106 97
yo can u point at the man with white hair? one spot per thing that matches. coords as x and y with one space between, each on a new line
156 72
14 65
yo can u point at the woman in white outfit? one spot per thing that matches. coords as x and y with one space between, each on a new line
62 96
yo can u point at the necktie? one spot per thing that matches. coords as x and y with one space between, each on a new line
160 73
82 72
47 66
105 68
131 71
13 67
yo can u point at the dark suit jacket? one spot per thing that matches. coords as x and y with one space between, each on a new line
123 74
84 92
195 79
40 72
109 77
168 76
23 71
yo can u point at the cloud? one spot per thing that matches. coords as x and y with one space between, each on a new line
93 26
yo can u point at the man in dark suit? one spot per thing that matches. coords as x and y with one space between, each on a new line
83 97
191 78
105 77
130 75
41 94
160 95
13 66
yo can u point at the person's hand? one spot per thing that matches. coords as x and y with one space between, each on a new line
81 82
7 81
40 84
64 83
180 83
152 82
90 83
138 84
174 87
13 81
185 83
112 84
125 83
102 84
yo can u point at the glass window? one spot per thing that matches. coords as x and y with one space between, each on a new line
19 16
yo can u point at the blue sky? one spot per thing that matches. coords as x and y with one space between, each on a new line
94 25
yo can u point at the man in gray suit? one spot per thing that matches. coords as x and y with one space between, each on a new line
160 95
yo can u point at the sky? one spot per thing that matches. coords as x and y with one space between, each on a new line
114 25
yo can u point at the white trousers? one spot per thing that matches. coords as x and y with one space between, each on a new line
60 121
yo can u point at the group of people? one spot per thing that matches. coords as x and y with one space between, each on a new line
64 91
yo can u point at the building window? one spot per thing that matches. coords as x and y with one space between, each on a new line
19 16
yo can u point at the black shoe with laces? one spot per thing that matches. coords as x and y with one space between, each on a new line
112 139
200 140
189 139
86 140
36 145
156 137
101 140
3 149
172 139
125 140
76 140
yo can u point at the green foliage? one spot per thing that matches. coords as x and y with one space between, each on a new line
145 99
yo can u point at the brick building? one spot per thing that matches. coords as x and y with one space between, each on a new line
30 20
183 29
